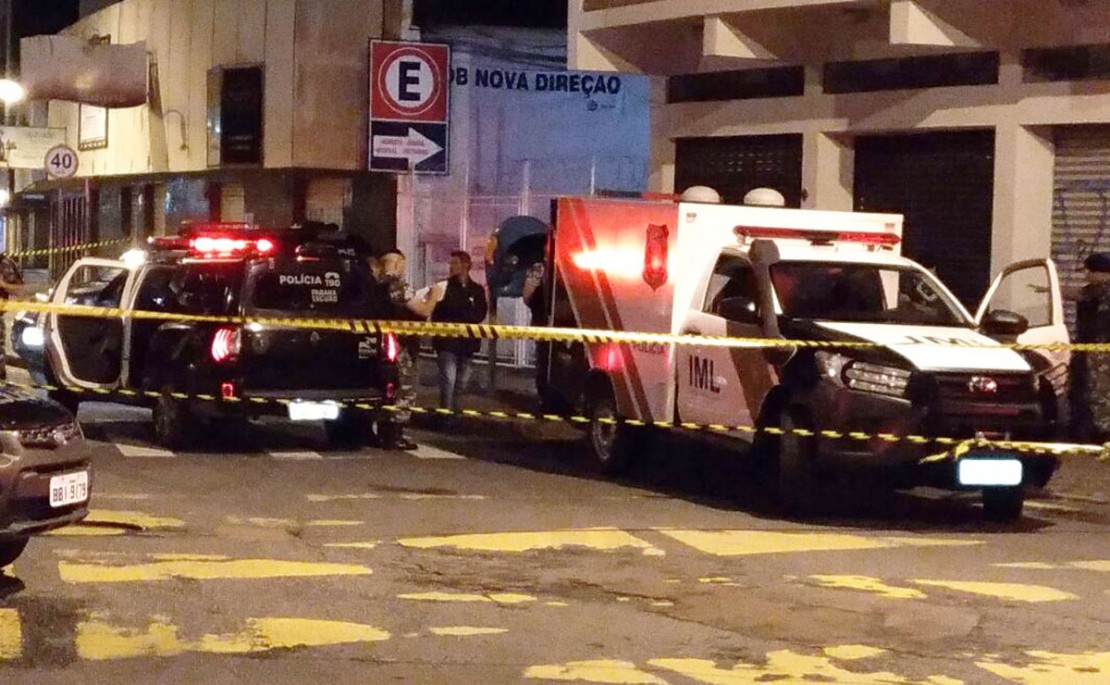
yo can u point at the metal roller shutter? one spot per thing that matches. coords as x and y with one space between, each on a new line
1081 203
944 185
734 165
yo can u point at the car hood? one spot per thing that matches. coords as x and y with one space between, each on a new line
20 409
932 348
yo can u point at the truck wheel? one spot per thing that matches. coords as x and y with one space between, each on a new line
1003 505
10 551
611 443
173 422
796 464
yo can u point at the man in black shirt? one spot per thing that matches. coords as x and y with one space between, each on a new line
463 301
1090 372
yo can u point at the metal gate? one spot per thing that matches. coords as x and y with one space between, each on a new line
734 165
1081 203
69 225
944 185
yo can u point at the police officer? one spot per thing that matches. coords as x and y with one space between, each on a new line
1090 377
404 306
11 283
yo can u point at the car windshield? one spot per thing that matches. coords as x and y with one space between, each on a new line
211 289
333 287
869 293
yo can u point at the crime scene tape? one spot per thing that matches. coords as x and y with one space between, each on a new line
953 448
83 247
503 332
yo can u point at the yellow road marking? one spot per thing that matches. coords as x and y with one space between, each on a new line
466 631
339 498
1016 592
79 531
788 666
598 671
11 635
1090 668
99 640
868 584
852 652
751 542
1032 565
353 545
132 518
594 538
718 580
238 569
1094 565
498 598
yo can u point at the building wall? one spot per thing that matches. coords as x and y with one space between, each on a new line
315 80
713 35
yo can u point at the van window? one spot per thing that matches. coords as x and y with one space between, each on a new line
733 279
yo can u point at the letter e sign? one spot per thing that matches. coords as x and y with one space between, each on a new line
409 81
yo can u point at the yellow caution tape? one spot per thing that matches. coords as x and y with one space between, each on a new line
84 247
954 448
502 332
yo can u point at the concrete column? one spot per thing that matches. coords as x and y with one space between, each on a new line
828 166
1023 179
662 160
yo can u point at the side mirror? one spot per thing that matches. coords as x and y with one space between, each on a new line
739 309
1005 324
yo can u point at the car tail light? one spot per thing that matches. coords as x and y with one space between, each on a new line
392 348
225 344
227 391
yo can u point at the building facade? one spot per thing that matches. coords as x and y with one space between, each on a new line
986 122
256 112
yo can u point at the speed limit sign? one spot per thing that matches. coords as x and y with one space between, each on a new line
61 161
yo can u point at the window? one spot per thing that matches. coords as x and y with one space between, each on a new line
207 288
1072 63
733 291
96 286
864 293
934 71
1026 291
235 97
736 85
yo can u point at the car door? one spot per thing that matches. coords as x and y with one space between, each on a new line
1032 288
84 351
724 385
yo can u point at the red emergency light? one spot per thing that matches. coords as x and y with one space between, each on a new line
858 237
224 245
655 256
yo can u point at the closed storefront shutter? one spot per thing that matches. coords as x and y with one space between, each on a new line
1081 203
944 185
734 165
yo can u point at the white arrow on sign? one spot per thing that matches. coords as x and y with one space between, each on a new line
415 147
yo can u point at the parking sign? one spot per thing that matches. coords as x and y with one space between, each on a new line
409 105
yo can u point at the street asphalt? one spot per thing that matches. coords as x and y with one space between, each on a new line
493 554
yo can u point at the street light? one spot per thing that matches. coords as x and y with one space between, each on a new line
11 92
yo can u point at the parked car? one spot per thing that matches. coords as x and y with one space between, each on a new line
45 474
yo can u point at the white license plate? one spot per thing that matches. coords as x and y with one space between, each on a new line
69 488
313 411
989 472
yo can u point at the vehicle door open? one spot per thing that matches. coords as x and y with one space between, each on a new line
87 351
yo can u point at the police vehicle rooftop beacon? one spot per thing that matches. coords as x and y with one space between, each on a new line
918 363
228 272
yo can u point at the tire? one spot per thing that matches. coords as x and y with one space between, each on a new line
10 551
1003 505
796 465
611 444
173 423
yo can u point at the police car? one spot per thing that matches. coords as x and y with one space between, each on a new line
190 371
886 350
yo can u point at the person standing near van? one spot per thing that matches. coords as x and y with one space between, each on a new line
463 301
1090 378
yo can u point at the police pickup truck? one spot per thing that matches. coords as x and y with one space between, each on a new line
190 371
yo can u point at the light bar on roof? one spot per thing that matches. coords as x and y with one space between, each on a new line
814 236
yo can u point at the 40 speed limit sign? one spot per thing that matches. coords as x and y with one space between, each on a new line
61 161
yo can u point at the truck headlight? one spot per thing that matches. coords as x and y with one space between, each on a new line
864 376
31 336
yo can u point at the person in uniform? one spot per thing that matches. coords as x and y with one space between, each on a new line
1090 374
404 306
11 283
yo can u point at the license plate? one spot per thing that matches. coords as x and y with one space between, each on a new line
69 488
989 472
313 411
